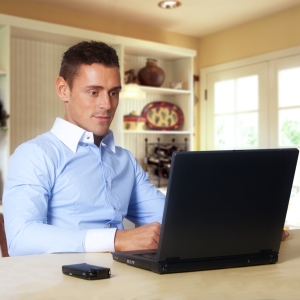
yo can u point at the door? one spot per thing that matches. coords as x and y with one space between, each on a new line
256 106
237 106
285 119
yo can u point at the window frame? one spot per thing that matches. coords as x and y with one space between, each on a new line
205 72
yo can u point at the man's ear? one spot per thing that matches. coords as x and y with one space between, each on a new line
62 89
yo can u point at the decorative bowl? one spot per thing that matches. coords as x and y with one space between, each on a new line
162 115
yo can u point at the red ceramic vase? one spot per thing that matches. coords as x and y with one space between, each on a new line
151 74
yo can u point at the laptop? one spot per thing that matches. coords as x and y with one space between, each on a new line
223 209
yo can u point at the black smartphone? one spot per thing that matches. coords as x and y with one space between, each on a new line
86 271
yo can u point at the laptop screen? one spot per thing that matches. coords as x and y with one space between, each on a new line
223 203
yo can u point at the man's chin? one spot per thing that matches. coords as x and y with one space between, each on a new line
101 133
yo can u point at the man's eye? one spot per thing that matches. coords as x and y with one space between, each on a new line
93 93
114 93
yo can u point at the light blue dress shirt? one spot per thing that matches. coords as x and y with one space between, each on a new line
61 188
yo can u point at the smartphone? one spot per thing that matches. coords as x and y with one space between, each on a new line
86 271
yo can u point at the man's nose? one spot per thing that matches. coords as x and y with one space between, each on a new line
104 101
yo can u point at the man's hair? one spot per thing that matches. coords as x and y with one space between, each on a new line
86 53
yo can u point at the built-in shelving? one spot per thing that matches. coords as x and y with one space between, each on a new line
178 67
27 45
165 91
162 132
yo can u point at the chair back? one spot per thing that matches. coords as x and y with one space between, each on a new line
3 243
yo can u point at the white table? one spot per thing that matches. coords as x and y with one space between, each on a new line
40 277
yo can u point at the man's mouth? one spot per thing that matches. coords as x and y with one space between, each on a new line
102 117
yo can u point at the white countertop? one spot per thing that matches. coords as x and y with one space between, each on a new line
40 277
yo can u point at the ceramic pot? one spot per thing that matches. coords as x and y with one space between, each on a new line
133 122
151 74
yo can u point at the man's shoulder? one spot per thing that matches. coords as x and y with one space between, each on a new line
46 138
44 143
124 152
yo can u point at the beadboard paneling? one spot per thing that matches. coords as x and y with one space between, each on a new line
34 103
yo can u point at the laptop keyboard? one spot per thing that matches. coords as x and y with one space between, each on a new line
147 255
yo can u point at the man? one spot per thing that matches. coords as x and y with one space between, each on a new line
69 189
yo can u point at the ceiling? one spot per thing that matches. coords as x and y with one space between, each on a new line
194 17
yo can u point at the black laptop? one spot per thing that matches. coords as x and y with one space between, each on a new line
223 209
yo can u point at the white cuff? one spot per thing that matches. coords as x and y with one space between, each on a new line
100 240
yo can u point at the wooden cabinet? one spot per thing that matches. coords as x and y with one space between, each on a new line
29 63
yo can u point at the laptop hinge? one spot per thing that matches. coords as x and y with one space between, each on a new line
172 259
266 251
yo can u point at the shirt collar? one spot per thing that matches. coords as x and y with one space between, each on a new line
71 135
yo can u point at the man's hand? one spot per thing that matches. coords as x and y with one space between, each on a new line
285 234
142 238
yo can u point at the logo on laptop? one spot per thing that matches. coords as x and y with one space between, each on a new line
130 262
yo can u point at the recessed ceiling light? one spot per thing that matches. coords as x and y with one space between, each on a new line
169 4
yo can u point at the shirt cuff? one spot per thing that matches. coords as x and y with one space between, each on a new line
100 240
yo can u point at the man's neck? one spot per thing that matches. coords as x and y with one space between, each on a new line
97 140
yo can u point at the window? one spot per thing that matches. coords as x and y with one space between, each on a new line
236 105
285 119
236 113
255 104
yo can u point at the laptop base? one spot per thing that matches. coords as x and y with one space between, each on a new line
176 266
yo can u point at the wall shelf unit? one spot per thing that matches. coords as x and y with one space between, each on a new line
164 91
165 132
29 63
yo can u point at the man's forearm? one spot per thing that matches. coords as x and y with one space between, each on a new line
38 238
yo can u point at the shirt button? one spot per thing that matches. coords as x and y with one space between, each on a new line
109 225
87 137
85 144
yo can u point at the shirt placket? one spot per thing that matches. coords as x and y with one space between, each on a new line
116 216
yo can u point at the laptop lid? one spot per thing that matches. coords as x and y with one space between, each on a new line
226 203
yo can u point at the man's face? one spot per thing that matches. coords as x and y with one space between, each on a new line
93 100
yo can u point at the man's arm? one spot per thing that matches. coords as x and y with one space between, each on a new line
145 210
25 203
146 203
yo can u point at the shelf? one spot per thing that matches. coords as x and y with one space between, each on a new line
2 73
158 159
164 91
156 132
